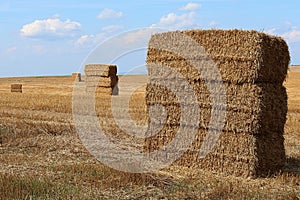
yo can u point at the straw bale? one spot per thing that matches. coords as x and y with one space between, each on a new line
252 108
241 56
105 70
240 154
101 81
76 76
253 66
236 121
17 88
244 96
104 90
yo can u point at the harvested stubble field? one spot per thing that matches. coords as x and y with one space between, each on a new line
41 156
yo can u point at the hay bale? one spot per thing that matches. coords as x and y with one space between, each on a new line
76 76
253 66
240 154
104 90
16 88
247 105
101 78
102 81
241 56
104 70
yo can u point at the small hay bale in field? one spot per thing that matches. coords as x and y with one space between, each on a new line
253 66
17 88
102 81
101 78
104 70
104 90
76 76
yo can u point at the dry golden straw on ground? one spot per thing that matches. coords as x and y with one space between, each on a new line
41 154
253 66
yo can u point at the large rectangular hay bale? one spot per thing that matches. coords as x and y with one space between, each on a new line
241 154
250 108
241 56
253 66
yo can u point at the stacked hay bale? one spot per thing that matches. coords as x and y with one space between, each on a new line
16 88
253 66
76 76
101 78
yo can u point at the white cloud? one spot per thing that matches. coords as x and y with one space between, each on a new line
56 16
292 36
11 50
112 28
173 21
109 14
142 35
90 40
191 7
25 49
39 49
94 39
288 23
288 32
51 28
272 31
213 24
83 39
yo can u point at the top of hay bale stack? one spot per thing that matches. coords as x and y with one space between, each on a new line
104 70
16 86
241 56
75 74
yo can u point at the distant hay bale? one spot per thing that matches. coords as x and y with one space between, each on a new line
76 76
17 88
104 90
101 81
104 70
101 78
253 66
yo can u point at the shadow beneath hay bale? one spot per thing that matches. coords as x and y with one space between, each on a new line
292 165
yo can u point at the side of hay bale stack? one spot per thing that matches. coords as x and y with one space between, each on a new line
76 77
101 78
253 66
16 88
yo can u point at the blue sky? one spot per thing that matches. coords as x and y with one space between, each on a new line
55 37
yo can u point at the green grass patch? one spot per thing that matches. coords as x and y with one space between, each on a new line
15 187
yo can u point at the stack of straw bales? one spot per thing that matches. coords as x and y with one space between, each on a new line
76 76
253 66
16 88
101 78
